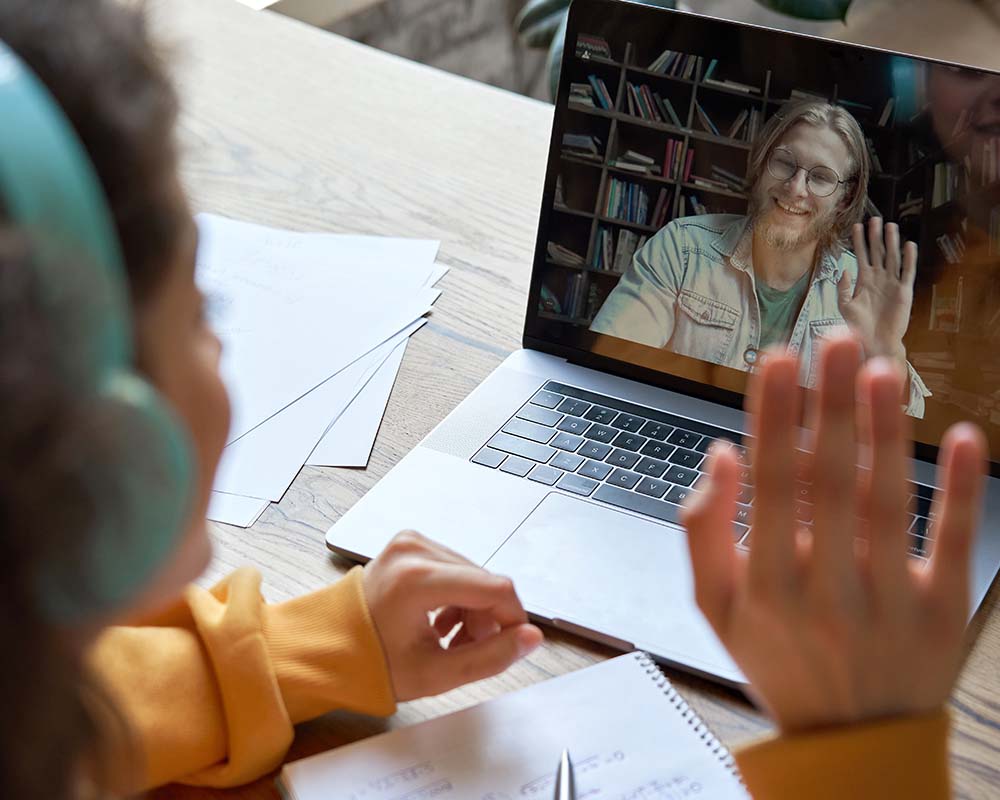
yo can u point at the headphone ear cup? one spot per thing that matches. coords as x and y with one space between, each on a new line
140 483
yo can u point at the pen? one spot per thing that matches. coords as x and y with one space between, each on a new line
565 787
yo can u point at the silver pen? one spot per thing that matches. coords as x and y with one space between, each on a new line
565 786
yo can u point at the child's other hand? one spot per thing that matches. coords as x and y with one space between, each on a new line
414 581
837 624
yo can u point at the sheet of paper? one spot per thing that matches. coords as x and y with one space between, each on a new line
293 309
265 461
628 741
235 509
349 440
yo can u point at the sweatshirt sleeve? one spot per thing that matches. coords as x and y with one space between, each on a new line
900 757
211 688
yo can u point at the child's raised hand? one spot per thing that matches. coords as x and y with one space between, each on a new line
414 581
838 624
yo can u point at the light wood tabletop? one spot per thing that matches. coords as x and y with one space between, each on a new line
290 126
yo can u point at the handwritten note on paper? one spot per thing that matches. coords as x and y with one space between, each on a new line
627 739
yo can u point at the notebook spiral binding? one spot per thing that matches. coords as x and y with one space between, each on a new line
719 750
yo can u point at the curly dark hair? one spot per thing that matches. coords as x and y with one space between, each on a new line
97 59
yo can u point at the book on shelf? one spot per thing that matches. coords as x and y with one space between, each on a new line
961 123
690 204
887 109
626 246
607 250
736 86
581 145
601 93
946 308
662 208
705 120
588 46
753 125
626 201
730 180
639 163
688 164
738 123
646 104
582 94
952 247
560 195
673 158
709 183
991 161
563 255
804 94
675 64
575 295
710 69
945 189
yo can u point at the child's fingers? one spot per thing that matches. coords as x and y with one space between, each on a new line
709 524
434 584
477 660
774 468
961 470
887 491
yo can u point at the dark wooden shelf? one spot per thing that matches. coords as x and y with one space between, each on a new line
723 140
726 192
626 224
574 211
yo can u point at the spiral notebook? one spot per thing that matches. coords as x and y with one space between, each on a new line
630 734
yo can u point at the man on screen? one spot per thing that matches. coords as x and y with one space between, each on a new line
724 287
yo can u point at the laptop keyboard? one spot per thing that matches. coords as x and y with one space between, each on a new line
637 458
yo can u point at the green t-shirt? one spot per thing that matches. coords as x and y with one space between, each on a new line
778 310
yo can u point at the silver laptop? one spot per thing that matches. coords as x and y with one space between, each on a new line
566 468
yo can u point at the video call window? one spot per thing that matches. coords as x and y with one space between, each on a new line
649 230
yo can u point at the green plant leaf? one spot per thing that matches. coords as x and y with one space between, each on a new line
810 9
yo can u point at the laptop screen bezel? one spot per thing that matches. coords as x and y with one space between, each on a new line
586 358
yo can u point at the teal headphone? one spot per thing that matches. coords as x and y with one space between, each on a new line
141 499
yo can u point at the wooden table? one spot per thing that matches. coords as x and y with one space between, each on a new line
289 126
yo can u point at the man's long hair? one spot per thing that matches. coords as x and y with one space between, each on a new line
820 114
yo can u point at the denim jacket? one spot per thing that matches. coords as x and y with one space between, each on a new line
691 289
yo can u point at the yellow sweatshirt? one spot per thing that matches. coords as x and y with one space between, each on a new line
213 686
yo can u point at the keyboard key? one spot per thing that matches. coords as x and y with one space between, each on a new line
595 450
657 450
678 494
621 477
528 430
686 458
601 433
622 458
640 503
517 446
919 526
575 425
683 438
629 441
601 415
804 512
652 466
489 458
566 441
803 492
652 487
546 399
595 470
745 494
575 407
742 514
704 444
656 430
544 474
741 534
516 465
680 476
577 484
543 416
567 461
919 546
628 422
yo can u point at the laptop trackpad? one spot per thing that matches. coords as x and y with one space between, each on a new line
618 575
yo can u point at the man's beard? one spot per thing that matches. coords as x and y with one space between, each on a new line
780 237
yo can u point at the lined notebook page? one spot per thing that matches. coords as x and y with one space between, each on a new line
630 735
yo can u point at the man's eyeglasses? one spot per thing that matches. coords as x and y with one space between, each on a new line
821 181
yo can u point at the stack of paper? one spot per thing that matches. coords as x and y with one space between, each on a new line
313 328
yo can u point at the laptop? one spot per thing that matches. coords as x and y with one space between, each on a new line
566 468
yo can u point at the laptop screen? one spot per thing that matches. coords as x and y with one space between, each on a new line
703 184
